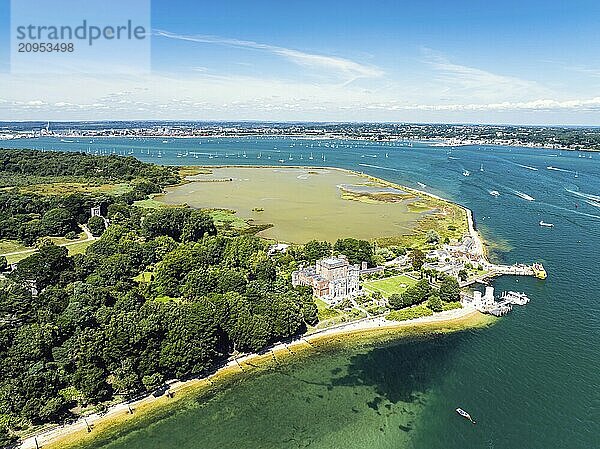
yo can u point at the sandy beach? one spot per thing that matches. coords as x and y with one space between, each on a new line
71 434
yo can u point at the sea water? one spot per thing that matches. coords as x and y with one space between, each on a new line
532 380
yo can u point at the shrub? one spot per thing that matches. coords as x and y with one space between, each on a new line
409 314
451 305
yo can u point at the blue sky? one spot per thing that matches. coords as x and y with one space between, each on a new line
429 61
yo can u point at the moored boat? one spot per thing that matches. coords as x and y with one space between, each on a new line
539 271
464 414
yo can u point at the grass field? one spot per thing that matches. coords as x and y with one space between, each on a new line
391 285
12 246
79 247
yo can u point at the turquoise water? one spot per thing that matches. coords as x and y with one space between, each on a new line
532 380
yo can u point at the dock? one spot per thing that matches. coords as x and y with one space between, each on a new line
536 270
488 304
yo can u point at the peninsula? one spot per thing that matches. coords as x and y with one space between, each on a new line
164 295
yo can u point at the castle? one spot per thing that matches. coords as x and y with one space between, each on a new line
332 279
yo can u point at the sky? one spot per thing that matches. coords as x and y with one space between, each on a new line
459 61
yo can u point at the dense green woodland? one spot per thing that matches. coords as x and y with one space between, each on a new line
23 167
160 295
27 217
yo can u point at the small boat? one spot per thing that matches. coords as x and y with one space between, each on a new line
494 193
539 271
464 414
546 225
466 173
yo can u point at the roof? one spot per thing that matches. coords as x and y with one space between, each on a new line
334 262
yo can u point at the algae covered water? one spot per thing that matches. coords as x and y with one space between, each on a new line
531 380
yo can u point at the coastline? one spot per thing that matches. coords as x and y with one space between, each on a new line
457 319
434 142
72 435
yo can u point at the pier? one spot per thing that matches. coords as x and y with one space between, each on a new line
492 271
488 304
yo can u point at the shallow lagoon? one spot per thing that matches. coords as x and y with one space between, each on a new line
302 204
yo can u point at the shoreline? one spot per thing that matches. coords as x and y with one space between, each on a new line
440 142
118 414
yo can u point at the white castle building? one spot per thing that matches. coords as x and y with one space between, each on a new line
332 279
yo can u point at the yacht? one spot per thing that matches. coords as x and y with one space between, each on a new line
546 225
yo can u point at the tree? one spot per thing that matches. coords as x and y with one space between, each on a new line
435 303
197 224
44 267
315 250
417 293
417 258
449 289
200 282
463 275
239 250
191 345
432 237
396 301
357 251
58 221
385 253
3 264
96 226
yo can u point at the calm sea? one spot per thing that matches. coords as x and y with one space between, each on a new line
532 380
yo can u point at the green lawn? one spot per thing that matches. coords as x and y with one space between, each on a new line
19 257
144 276
325 312
12 246
228 219
79 247
391 285
149 203
61 240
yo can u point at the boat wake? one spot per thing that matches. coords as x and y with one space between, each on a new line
379 167
528 167
570 211
550 167
587 196
523 195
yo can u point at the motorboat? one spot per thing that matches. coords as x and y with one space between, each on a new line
464 414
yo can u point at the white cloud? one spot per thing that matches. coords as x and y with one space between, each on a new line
590 104
350 70
461 81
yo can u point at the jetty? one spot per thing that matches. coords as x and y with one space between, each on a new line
486 303
492 270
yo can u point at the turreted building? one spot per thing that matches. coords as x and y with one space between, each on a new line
332 279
